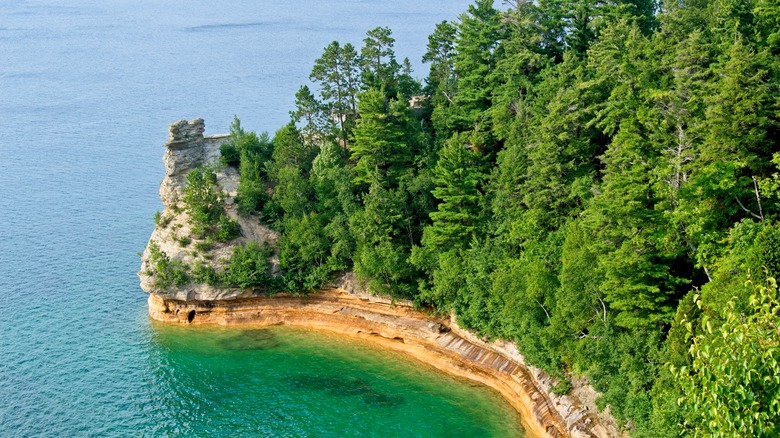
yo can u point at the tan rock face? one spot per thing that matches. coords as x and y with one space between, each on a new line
186 149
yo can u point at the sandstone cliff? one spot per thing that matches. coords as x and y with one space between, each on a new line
186 149
347 308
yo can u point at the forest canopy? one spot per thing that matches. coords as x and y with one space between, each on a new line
596 181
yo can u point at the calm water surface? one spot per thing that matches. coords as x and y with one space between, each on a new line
87 89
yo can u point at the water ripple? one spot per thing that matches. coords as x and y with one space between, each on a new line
86 93
221 26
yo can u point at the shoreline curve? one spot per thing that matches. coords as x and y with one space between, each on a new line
398 327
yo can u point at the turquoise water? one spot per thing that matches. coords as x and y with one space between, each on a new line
282 381
87 89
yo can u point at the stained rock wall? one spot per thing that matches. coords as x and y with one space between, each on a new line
186 149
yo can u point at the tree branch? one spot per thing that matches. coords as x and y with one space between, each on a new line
746 210
545 310
758 198
448 97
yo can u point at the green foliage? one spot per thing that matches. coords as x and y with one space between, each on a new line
766 252
303 253
184 240
380 149
203 203
229 154
337 73
380 256
167 273
458 178
578 172
205 274
446 277
293 192
204 246
384 268
202 198
744 251
377 59
478 51
252 154
249 267
290 150
227 229
312 114
408 86
732 387
441 80
332 181
162 220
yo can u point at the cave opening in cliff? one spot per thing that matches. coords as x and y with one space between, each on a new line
191 316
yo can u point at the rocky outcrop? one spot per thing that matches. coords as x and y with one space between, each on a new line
348 308
186 149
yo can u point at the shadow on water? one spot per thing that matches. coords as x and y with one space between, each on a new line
210 341
347 387
255 339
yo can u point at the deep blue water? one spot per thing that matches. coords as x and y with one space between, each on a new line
87 89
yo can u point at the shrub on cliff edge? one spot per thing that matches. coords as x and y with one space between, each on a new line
166 272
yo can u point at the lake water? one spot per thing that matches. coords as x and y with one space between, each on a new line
87 89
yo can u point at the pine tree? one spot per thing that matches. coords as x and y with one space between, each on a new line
377 60
441 81
310 112
408 86
458 178
479 33
337 73
382 252
381 149
290 149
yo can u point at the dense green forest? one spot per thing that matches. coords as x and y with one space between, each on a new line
596 181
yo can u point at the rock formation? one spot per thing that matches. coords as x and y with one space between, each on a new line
347 308
186 149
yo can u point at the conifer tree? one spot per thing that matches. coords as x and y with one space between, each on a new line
337 73
312 113
380 149
458 178
479 33
377 60
441 81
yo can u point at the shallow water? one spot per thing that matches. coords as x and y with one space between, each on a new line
282 381
87 89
